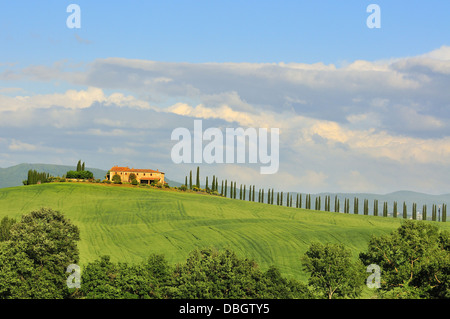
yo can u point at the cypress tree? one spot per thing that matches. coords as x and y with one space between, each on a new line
385 209
272 197
414 211
278 198
206 184
433 213
240 192
405 211
198 177
356 206
336 204
221 189
424 212
234 192
213 184
82 167
281 199
253 193
79 166
394 210
375 207
444 213
190 179
243 194
225 192
185 182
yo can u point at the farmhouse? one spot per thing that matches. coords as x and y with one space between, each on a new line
143 176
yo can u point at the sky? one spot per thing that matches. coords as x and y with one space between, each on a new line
359 109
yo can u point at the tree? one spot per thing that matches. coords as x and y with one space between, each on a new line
132 177
198 177
34 260
116 179
82 166
394 210
190 179
333 274
79 166
405 211
414 261
210 274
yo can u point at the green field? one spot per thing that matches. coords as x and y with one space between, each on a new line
130 223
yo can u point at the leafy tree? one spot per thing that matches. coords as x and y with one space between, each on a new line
116 179
333 274
414 261
209 273
34 260
132 177
103 279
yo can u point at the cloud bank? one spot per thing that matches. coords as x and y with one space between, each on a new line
373 126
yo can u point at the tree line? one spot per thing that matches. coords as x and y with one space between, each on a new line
414 262
250 193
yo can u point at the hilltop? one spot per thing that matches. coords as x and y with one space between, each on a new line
14 175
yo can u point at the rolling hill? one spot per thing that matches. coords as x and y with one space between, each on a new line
130 223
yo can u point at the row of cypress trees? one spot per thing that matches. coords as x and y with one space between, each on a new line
249 193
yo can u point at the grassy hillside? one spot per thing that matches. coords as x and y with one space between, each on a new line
130 223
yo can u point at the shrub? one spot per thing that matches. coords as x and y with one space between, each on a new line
182 188
116 179
134 181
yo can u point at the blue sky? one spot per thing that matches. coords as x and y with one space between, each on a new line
359 109
221 31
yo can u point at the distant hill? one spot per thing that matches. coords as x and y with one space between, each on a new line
14 175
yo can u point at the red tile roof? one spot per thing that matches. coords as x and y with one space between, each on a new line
133 170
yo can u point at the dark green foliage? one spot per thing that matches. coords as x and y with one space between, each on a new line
5 227
116 179
375 207
190 179
366 207
414 261
385 209
33 261
211 274
197 183
35 177
103 279
405 211
333 273
80 175
356 206
394 212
